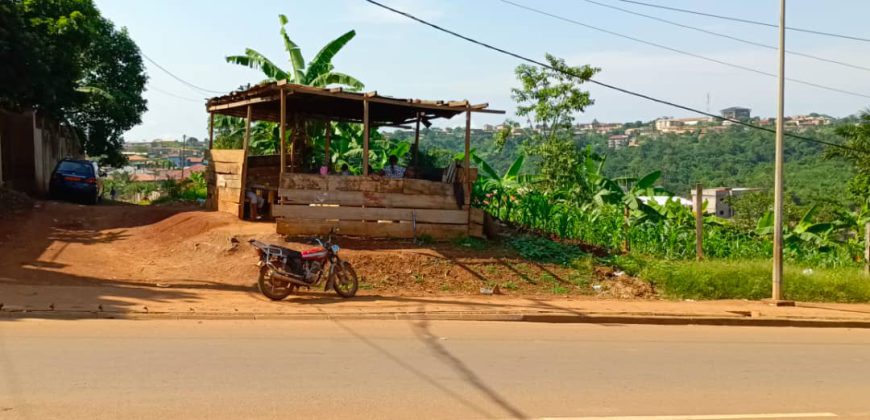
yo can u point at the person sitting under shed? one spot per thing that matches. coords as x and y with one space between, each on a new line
393 169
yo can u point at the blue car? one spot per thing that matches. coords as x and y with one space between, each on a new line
78 180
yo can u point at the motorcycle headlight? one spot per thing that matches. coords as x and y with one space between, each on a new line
335 249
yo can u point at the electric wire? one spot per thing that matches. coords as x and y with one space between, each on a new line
603 84
683 52
156 89
185 82
731 37
751 22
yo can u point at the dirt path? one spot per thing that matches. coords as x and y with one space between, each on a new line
113 244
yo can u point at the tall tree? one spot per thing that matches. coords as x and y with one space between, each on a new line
857 137
549 98
67 61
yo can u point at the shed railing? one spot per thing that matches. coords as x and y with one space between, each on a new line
374 207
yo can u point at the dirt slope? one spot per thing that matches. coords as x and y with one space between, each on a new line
62 243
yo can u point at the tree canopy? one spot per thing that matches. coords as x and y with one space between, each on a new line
68 62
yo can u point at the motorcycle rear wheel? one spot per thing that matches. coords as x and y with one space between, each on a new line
344 280
271 288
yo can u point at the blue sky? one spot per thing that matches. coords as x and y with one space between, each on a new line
402 58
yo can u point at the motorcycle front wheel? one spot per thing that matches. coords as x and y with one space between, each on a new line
344 279
272 288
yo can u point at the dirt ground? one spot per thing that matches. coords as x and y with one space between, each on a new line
57 243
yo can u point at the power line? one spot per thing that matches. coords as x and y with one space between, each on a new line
156 89
679 51
602 84
742 20
731 37
180 79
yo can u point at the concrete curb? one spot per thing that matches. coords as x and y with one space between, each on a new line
549 318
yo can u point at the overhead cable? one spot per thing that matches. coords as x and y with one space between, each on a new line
602 84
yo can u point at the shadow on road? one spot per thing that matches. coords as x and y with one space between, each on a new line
421 329
417 372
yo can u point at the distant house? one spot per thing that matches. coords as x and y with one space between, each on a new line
719 200
617 141
736 113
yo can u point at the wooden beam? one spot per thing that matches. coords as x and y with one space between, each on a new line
367 199
322 213
417 143
326 142
210 130
245 144
283 131
241 103
366 127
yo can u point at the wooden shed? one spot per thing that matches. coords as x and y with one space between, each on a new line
314 203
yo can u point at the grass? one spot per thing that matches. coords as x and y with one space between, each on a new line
536 248
751 279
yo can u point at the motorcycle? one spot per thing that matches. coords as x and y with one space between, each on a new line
283 270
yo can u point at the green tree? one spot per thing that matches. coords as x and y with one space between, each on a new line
549 98
857 137
64 60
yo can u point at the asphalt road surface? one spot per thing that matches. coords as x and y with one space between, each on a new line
420 370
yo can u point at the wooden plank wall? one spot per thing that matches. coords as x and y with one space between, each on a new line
373 207
224 177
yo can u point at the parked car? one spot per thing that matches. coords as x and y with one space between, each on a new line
78 180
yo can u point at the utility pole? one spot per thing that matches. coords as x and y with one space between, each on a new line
776 296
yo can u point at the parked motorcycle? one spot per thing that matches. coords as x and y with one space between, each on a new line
283 270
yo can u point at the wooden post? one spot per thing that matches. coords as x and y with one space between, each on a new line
467 163
283 130
210 130
328 140
417 143
867 249
365 163
699 222
244 174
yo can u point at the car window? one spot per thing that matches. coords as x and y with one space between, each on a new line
77 168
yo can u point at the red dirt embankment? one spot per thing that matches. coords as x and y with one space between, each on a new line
67 244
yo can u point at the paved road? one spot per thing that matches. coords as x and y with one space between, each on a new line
389 369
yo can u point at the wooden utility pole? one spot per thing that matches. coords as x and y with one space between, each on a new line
699 222
776 294
365 163
466 165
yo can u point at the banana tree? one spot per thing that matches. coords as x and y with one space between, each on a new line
318 72
627 192
804 233
498 192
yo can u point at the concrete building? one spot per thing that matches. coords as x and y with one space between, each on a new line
617 141
719 200
736 113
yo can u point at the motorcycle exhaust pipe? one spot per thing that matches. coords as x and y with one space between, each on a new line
289 279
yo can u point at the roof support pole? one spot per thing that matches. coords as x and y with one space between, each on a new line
210 130
283 131
417 144
245 143
466 166
328 139
366 127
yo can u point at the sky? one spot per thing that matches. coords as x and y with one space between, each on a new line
402 58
